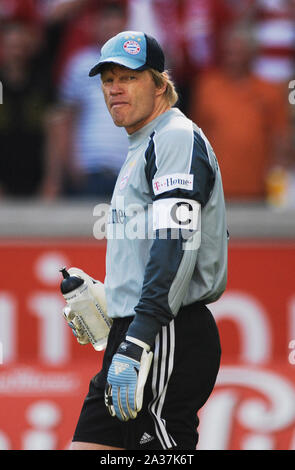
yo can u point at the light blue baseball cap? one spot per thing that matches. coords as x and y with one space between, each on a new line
133 49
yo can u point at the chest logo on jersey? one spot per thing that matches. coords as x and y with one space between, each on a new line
174 181
126 175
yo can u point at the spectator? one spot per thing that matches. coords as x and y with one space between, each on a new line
244 117
189 31
76 34
204 21
161 19
89 148
24 10
27 97
274 22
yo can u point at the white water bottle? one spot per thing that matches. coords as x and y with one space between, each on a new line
91 314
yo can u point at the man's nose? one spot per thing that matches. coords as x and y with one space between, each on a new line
116 88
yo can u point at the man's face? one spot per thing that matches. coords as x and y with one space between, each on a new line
130 97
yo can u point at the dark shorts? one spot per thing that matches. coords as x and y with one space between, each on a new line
182 376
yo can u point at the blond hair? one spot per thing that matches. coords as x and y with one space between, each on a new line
162 78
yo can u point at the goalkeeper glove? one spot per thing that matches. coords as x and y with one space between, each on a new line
127 377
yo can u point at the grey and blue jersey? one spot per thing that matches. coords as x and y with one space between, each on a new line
167 233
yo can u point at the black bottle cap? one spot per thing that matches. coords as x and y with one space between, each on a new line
64 272
69 283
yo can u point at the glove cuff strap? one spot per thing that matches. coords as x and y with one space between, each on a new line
139 343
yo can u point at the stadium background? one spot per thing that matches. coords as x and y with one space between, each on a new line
44 373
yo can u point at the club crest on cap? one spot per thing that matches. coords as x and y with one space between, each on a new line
132 47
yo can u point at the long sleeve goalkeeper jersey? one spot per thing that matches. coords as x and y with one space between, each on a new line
167 232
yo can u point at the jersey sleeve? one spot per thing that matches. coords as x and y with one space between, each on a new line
178 165
180 176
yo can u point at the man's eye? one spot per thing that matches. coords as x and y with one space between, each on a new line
107 80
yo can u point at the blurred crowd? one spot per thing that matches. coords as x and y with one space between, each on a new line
232 62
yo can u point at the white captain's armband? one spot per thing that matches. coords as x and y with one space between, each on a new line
176 213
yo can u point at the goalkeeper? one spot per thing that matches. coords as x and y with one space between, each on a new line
163 350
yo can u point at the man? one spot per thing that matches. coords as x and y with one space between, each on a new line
229 94
89 149
163 350
28 103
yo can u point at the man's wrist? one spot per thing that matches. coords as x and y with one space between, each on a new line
138 342
145 328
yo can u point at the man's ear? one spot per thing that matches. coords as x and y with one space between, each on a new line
160 90
163 87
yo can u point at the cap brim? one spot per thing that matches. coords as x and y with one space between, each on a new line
125 62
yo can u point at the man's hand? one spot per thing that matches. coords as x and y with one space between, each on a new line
96 289
75 325
127 377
